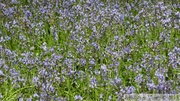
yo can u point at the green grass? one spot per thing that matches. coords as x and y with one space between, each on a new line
69 88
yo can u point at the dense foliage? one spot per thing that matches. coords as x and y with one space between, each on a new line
92 50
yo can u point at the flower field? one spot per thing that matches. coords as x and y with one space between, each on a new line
88 50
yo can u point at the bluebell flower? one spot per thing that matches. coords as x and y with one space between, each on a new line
28 14
21 99
78 97
93 82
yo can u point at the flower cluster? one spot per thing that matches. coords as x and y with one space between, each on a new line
63 50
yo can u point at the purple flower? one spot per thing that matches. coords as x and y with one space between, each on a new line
21 99
160 74
82 61
2 62
1 73
78 97
13 1
14 73
56 57
104 68
162 88
8 12
174 57
93 82
28 14
138 78
35 95
128 7
167 20
92 61
35 79
130 90
117 80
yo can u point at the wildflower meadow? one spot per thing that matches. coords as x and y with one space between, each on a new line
88 50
